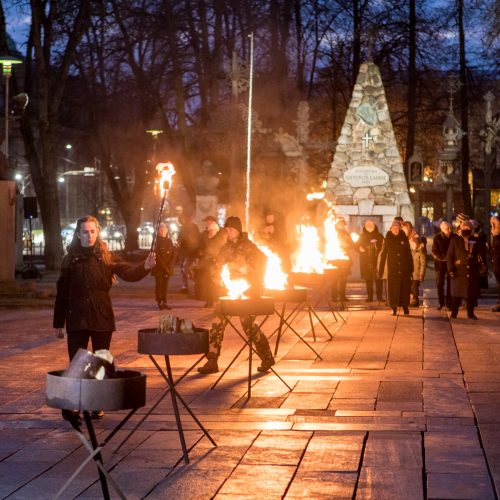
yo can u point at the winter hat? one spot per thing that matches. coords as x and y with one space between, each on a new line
234 222
461 217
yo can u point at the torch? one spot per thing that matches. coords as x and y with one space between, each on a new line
166 172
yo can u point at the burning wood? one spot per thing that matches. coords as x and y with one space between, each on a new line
235 288
173 324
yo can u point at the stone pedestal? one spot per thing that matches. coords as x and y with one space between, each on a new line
7 230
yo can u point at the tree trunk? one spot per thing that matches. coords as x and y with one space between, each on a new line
412 87
356 44
464 111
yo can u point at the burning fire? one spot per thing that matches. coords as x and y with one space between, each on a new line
275 278
309 258
235 288
166 172
333 251
354 237
315 196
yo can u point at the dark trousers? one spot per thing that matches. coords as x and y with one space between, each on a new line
161 286
457 302
442 276
186 264
497 277
378 288
339 284
415 285
80 340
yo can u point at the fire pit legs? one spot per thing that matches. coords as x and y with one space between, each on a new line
95 454
247 342
286 324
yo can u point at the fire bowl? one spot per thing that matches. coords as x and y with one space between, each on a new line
246 307
340 263
296 294
151 341
306 279
126 391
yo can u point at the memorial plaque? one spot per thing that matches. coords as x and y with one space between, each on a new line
366 177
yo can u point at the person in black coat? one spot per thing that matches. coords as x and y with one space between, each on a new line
339 283
83 303
206 278
396 266
188 247
164 267
369 245
495 255
439 251
463 261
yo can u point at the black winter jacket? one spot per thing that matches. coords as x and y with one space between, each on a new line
463 264
369 246
439 250
82 300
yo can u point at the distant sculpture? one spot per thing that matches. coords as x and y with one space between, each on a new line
491 131
302 122
289 145
207 182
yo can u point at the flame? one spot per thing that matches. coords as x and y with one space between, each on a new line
354 237
315 196
166 172
275 278
333 250
308 258
235 288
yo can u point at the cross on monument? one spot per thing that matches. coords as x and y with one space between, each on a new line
367 138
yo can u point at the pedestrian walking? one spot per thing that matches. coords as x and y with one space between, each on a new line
164 267
369 246
439 251
495 255
419 257
188 247
464 262
339 283
396 266
83 304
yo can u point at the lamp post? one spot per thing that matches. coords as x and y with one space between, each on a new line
7 63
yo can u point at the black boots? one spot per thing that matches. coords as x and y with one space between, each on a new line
211 365
264 353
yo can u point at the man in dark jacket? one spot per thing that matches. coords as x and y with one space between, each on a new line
396 265
244 261
339 283
463 261
189 244
439 251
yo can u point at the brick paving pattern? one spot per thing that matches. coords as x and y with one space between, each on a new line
398 408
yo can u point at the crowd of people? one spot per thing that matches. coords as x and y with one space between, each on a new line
393 265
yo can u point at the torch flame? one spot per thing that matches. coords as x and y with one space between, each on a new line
235 288
166 172
354 237
275 278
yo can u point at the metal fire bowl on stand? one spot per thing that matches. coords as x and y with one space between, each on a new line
126 391
262 306
306 279
151 341
295 294
338 263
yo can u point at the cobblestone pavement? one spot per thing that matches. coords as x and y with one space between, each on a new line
402 407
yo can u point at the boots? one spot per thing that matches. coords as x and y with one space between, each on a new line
211 365
264 352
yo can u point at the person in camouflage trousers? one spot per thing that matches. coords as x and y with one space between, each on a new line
245 261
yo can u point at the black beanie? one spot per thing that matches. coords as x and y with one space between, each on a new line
234 222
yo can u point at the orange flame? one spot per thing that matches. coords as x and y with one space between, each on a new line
166 172
235 288
354 237
275 278
316 196
308 258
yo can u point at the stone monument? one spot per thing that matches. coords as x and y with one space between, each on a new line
366 178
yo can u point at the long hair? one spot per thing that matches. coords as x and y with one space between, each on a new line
100 245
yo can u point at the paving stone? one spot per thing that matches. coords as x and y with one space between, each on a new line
266 481
322 485
387 484
464 486
400 450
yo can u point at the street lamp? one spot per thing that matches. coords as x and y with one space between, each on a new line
7 62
